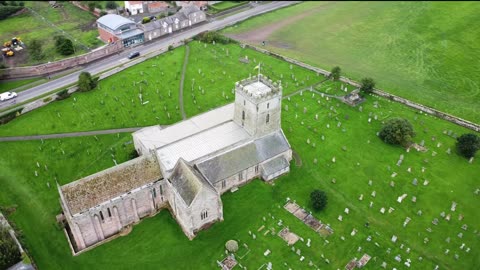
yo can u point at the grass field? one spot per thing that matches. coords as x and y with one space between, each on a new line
224 5
116 102
426 52
70 19
360 156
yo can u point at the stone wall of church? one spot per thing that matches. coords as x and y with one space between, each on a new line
253 117
237 179
110 217
192 218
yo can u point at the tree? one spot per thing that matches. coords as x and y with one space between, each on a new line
36 50
63 45
397 131
91 6
367 85
319 199
9 253
468 145
335 73
111 5
86 82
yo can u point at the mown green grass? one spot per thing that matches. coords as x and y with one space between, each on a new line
70 19
10 85
426 52
162 74
158 242
224 5
115 103
217 80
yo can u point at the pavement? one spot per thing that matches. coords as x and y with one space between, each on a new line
144 49
67 135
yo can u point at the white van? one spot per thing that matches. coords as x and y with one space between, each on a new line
7 96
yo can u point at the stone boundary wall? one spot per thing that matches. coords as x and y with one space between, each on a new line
44 69
456 120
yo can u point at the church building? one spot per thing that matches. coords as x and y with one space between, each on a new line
183 168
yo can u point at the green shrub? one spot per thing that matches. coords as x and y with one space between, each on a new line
397 131
62 95
63 45
6 11
145 20
86 82
209 37
10 116
319 199
9 254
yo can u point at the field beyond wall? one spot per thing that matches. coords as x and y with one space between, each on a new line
424 51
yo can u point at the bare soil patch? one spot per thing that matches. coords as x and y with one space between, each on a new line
261 34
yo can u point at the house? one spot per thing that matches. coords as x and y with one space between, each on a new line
202 5
138 7
184 168
157 6
112 28
134 7
186 17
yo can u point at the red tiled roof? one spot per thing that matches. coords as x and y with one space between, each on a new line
160 4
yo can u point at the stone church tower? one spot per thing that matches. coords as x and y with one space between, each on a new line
258 103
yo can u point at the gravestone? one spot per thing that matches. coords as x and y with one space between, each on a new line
361 197
394 238
340 218
415 181
382 210
453 207
374 193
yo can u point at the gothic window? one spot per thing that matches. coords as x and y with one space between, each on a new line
109 213
268 105
154 192
224 184
243 115
161 190
101 215
244 103
240 176
268 118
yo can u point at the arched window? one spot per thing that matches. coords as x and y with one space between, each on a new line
268 118
109 213
243 115
204 214
101 216
268 105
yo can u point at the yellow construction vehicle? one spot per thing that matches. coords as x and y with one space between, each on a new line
8 52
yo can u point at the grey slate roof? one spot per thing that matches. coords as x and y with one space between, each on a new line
187 181
187 10
275 165
243 157
114 21
131 33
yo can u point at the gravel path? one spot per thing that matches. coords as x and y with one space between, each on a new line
180 92
67 135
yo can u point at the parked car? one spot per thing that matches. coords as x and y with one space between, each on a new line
7 96
133 55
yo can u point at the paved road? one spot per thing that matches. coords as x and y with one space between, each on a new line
162 43
67 135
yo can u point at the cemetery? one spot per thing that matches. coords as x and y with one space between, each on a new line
389 206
